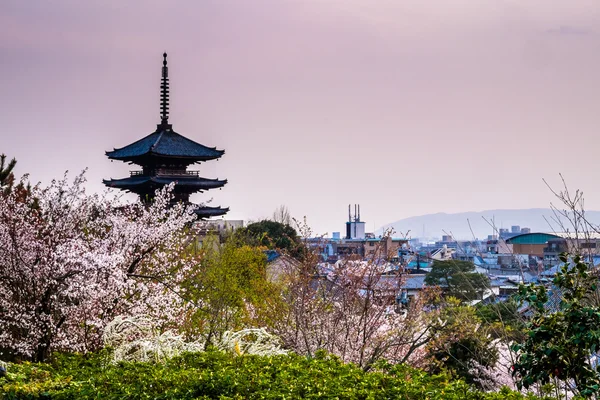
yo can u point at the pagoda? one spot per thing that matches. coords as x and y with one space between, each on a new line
164 157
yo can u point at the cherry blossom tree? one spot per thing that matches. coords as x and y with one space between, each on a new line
349 309
73 262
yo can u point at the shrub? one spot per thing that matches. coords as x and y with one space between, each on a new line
563 335
214 374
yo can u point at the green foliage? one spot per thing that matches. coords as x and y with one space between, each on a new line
562 335
273 235
229 290
502 320
216 375
6 175
7 180
462 344
505 312
457 279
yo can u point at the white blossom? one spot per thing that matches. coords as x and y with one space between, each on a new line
255 341
138 339
72 262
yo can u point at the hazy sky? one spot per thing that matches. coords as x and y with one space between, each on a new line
406 107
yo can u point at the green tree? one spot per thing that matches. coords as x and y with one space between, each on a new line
273 235
7 177
229 290
7 180
462 345
502 319
457 279
563 336
505 312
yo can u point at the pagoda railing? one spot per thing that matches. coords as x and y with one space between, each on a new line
167 172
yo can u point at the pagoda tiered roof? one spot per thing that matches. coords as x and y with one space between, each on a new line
165 156
165 143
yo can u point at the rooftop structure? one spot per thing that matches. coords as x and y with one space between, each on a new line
164 156
355 228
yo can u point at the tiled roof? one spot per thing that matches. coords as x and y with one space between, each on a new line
414 282
166 143
190 181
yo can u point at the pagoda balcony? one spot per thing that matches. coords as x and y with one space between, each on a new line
167 172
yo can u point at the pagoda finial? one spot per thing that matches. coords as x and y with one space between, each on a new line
164 92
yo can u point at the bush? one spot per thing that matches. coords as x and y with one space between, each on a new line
214 374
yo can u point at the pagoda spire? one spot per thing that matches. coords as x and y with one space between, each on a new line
164 93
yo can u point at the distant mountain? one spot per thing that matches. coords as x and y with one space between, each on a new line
436 225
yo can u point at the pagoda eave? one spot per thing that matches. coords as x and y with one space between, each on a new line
154 157
204 212
182 183
165 144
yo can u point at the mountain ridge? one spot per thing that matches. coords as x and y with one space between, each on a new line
479 224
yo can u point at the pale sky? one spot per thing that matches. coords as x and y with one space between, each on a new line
406 107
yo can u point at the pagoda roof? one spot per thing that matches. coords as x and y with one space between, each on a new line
207 212
165 143
192 182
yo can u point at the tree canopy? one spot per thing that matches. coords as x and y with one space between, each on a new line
273 235
461 346
229 289
70 265
7 177
563 335
457 279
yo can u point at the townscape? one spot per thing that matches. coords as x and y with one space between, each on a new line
127 280
158 279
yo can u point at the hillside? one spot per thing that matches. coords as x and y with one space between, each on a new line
436 225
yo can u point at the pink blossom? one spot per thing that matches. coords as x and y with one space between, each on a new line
73 262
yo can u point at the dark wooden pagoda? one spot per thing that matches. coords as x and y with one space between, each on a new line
164 156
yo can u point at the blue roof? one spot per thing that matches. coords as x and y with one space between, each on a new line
165 143
272 255
422 264
187 181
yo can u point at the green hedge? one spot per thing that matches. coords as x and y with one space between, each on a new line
215 375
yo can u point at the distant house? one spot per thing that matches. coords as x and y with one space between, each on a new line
412 285
505 286
385 247
349 247
279 265
545 248
442 254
